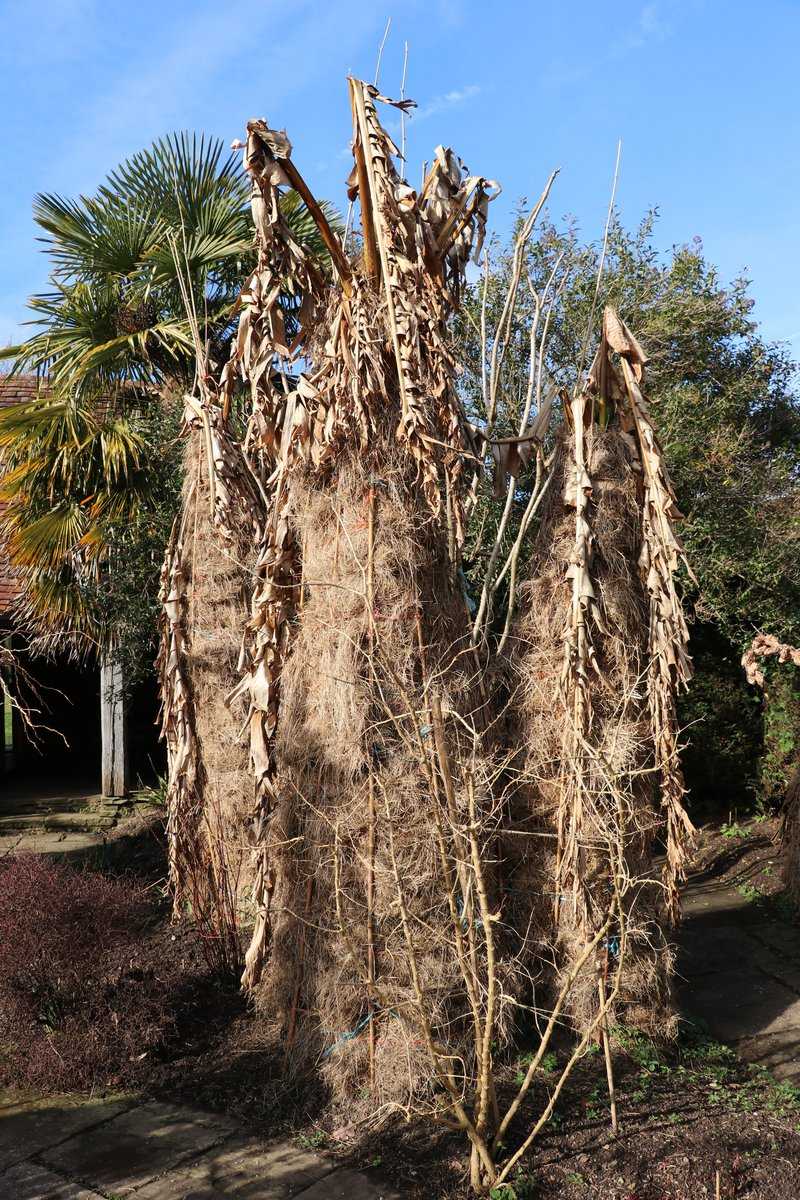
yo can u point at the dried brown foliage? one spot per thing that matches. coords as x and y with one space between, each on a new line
602 652
76 1008
764 645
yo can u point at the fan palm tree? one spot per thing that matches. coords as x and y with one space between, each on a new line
72 472
112 338
115 313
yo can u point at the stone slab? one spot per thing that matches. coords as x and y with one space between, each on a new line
71 822
704 952
778 1052
778 966
29 1181
54 804
29 1128
138 1146
713 902
739 1005
44 842
245 1169
781 937
39 795
17 1097
349 1185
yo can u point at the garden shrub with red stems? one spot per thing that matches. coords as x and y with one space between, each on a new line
81 1002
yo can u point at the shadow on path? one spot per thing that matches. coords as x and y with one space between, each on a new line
739 958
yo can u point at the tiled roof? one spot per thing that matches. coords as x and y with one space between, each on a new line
13 390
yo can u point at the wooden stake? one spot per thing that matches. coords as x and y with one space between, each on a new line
303 549
370 597
371 923
298 986
113 728
444 761
612 1096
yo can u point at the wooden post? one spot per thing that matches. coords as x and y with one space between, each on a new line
112 729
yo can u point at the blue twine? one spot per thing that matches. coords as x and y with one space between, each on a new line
350 1034
470 603
612 946
464 921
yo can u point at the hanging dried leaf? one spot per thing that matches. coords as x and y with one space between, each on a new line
764 645
662 555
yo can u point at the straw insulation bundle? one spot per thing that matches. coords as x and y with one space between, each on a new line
205 589
371 493
357 643
381 631
602 648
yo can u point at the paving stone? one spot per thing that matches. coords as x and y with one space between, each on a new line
37 796
778 966
778 1052
139 1146
742 1004
28 1127
710 901
349 1185
86 821
245 1169
15 1097
29 1181
704 951
52 804
781 937
49 842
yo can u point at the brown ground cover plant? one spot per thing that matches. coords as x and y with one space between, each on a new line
78 1006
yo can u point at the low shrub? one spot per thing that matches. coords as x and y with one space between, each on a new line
84 1001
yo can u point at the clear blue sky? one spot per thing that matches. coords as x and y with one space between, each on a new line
704 94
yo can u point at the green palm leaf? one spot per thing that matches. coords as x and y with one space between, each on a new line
111 329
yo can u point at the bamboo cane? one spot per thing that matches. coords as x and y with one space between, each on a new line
370 588
612 1096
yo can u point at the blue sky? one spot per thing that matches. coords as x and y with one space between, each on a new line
704 94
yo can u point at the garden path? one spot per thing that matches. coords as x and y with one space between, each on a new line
49 818
739 950
74 1148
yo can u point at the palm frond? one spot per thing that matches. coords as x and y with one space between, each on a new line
97 239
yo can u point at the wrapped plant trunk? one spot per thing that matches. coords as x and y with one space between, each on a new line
356 674
602 654
361 833
369 496
204 593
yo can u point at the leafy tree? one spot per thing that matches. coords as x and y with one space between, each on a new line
72 474
725 403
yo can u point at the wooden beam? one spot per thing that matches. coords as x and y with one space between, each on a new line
113 729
